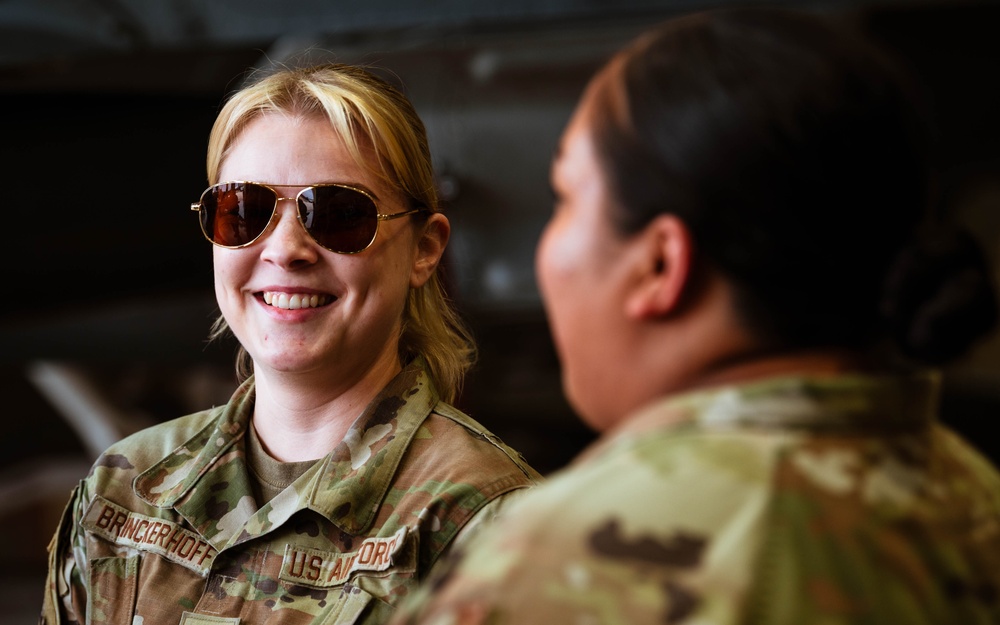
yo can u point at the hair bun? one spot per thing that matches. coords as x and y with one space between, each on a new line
939 296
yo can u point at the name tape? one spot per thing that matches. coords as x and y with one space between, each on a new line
322 569
170 540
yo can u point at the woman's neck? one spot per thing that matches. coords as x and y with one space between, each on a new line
303 417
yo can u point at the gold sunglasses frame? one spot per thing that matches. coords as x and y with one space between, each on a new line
379 217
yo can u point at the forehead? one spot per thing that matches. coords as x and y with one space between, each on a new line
293 150
575 159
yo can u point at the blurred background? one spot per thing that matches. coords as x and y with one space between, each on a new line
107 109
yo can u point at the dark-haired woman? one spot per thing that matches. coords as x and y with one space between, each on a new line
737 248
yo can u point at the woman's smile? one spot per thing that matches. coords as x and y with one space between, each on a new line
294 301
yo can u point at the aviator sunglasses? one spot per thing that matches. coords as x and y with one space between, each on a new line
341 218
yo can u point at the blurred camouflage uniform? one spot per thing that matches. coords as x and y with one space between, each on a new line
165 529
797 501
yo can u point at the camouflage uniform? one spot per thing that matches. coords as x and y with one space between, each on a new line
165 530
795 501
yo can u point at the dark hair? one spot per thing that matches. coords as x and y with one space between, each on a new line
794 151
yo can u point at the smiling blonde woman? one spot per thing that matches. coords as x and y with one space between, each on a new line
337 475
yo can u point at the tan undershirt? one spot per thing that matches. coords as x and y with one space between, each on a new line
268 476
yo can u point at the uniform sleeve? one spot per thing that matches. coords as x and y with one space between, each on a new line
488 514
482 519
65 598
423 601
426 605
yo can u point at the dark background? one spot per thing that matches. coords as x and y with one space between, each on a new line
107 106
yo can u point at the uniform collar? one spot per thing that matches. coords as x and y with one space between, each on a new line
174 477
852 402
355 478
206 481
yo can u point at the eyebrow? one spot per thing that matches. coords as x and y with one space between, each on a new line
339 183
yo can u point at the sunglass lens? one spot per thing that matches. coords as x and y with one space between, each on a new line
236 213
340 219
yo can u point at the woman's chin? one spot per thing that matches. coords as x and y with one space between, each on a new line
288 363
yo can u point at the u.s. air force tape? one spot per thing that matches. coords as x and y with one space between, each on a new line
312 567
124 527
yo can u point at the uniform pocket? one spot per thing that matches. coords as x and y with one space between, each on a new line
355 605
111 596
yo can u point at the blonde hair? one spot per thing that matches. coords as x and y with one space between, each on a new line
366 112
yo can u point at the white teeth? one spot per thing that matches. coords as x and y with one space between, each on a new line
293 301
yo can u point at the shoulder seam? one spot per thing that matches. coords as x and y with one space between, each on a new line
457 416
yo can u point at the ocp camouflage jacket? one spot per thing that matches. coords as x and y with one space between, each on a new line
165 528
802 500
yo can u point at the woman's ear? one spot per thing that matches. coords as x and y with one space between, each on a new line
663 271
431 241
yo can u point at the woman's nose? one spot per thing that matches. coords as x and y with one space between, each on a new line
288 244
